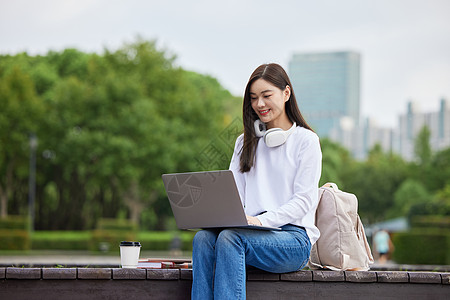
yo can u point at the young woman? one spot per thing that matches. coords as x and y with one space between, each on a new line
277 171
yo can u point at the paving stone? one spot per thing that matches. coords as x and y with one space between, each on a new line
424 277
360 276
126 273
163 274
392 277
23 273
59 273
186 274
94 273
297 276
2 273
255 274
445 278
328 275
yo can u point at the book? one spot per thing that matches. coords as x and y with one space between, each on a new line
164 264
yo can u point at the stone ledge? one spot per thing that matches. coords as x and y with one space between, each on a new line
392 276
252 275
424 277
23 273
59 273
138 274
186 274
163 274
297 276
334 276
360 276
94 273
445 278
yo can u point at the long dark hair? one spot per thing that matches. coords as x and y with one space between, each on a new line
276 75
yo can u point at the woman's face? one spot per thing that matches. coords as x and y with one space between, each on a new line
268 102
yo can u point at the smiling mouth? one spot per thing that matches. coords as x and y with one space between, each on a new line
264 112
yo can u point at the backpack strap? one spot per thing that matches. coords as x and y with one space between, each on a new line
314 260
361 232
331 185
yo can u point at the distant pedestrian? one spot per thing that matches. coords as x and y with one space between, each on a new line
175 246
383 245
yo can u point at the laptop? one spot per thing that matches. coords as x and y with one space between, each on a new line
207 199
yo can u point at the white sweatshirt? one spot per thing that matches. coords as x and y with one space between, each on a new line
283 182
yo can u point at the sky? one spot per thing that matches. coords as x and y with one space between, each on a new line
404 44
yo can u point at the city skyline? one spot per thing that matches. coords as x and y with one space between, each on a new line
404 44
328 85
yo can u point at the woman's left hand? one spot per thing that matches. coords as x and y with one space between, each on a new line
253 221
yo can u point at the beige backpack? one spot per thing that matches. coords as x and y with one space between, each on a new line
342 244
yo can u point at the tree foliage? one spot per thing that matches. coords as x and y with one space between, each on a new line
375 182
409 193
386 185
336 163
108 126
422 148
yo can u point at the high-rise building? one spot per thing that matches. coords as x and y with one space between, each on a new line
327 87
411 123
400 140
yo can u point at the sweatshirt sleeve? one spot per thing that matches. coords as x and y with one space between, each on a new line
239 177
306 182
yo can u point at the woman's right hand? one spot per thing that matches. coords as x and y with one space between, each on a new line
253 221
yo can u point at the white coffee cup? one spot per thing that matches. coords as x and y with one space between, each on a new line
129 254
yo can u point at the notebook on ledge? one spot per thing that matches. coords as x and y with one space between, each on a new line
206 200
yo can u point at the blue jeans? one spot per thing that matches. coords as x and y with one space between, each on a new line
220 257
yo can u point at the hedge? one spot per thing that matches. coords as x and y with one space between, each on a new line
101 240
116 224
109 234
163 241
152 240
60 240
109 240
107 237
14 239
430 221
14 222
422 246
97 240
14 233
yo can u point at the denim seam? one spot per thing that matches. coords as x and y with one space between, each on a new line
241 269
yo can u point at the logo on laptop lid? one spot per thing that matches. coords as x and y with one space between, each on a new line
184 191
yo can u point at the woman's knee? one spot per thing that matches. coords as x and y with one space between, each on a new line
204 237
228 237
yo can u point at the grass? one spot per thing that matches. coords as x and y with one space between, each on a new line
149 235
81 235
83 241
61 235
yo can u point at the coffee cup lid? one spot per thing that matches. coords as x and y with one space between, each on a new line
126 243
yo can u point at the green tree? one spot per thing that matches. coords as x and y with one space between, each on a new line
336 163
108 126
442 201
375 181
439 205
422 147
439 173
116 123
20 115
409 193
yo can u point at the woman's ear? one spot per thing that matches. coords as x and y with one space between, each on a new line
287 93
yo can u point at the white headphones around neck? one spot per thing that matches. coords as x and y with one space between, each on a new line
274 136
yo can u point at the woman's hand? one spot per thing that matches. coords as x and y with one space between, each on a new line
253 221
